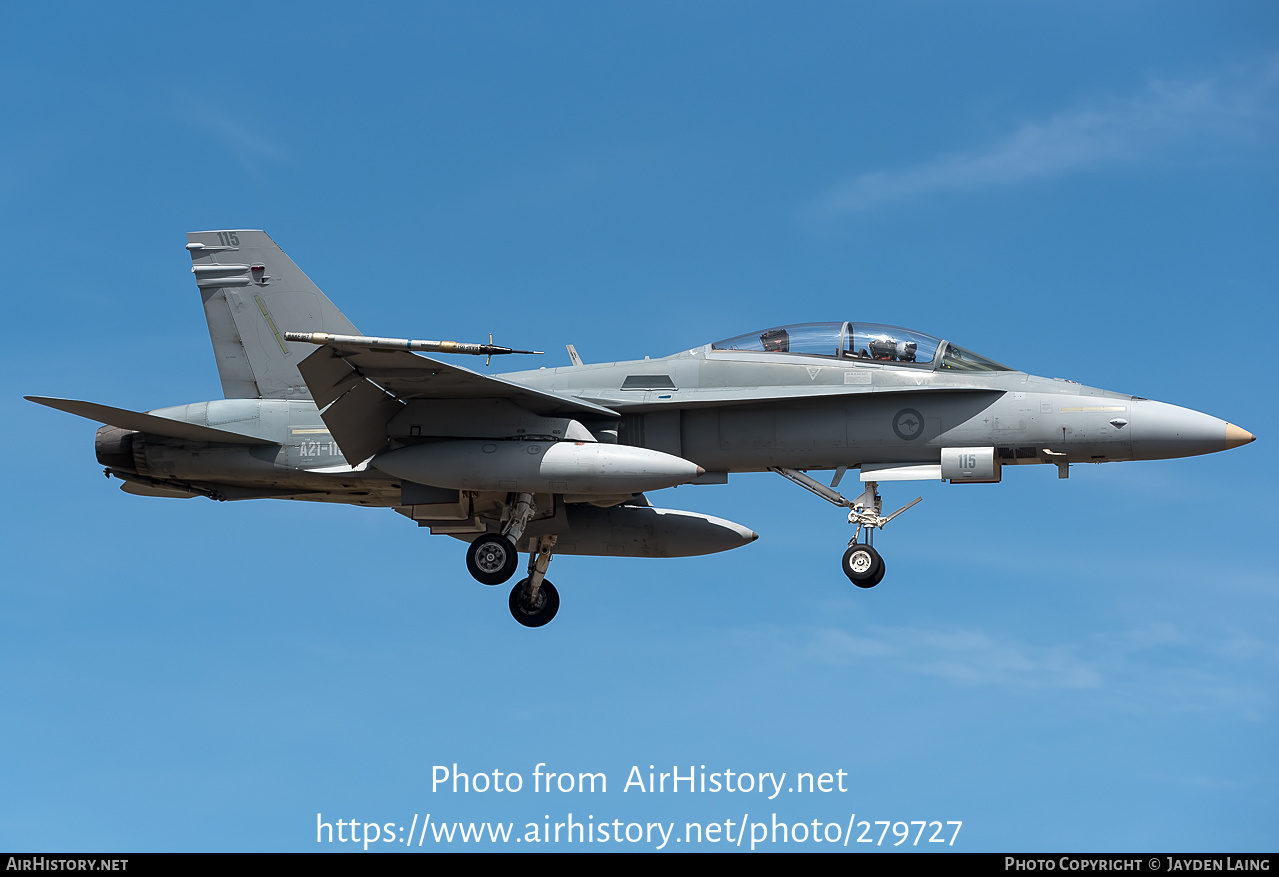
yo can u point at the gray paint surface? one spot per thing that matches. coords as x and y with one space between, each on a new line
302 421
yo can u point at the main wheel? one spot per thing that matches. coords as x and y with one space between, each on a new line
492 559
863 565
530 613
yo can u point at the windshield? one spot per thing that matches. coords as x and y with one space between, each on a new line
959 359
872 342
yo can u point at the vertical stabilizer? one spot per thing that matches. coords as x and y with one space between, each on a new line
253 294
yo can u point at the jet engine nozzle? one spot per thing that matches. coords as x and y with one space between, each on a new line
114 448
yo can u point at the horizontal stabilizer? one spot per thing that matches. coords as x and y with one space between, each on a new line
147 423
138 489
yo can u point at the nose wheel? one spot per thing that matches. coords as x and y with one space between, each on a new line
863 565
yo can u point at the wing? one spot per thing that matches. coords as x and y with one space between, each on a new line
365 388
148 423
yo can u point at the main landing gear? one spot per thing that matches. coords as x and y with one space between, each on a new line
534 600
861 563
492 559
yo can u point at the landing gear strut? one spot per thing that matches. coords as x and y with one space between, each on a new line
534 600
492 557
861 563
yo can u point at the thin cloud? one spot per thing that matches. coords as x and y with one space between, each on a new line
967 656
1155 667
250 148
1170 122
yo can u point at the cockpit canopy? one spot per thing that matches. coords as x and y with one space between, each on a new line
870 342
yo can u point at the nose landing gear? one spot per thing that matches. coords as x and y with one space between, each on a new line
861 563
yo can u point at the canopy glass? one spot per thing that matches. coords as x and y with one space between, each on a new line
871 342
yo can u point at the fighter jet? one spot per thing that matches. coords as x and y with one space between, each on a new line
560 460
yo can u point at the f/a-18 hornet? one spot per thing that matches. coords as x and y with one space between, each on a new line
558 460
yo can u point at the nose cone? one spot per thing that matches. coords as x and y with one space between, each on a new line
1236 436
1161 431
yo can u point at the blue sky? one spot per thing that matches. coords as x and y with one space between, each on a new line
1083 190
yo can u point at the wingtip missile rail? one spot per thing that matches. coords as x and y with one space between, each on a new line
371 343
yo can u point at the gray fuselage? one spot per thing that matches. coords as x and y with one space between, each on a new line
726 411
